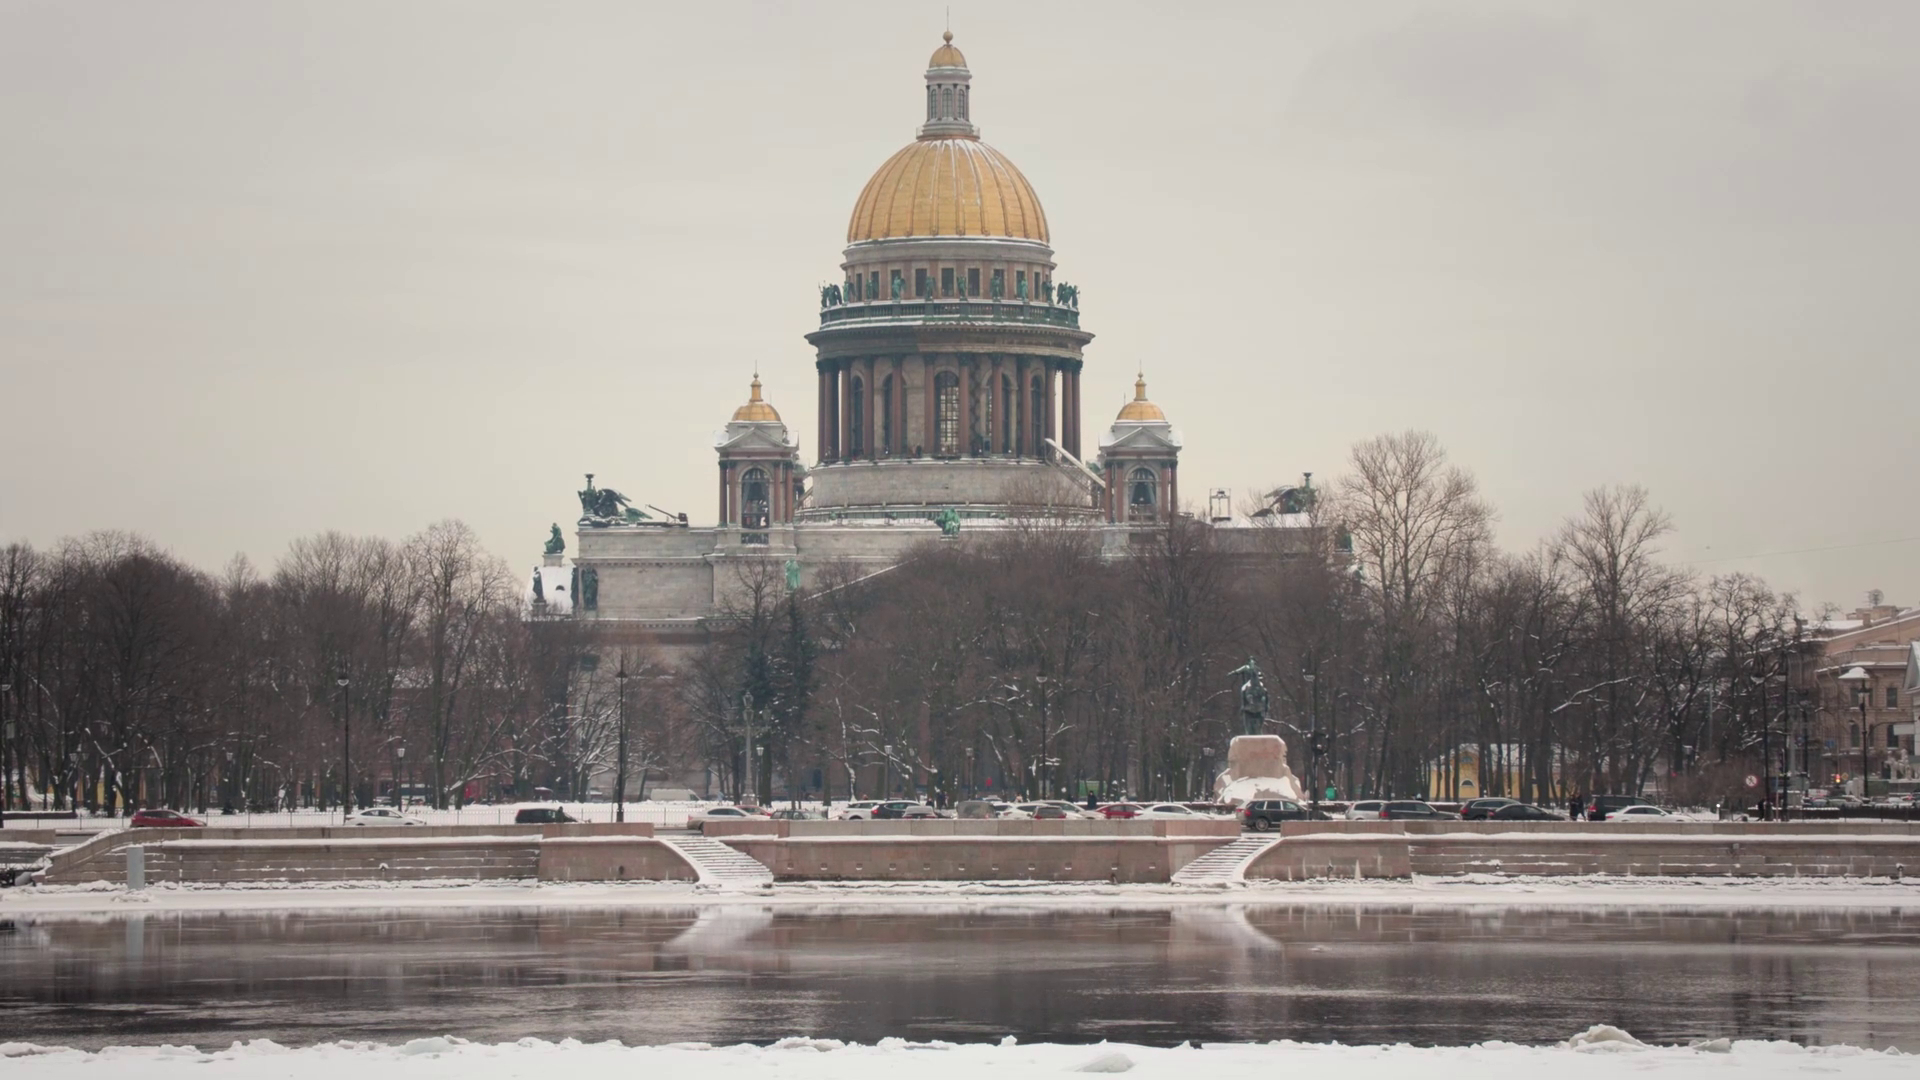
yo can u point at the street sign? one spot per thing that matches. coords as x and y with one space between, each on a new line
1753 781
1331 792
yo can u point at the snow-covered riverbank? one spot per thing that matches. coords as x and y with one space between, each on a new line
1599 1054
1588 892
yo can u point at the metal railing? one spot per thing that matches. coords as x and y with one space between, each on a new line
930 310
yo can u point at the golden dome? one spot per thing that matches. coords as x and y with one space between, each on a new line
946 55
949 186
1140 408
755 410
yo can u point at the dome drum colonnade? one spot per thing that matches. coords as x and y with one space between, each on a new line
948 339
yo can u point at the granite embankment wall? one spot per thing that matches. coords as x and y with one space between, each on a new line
1367 849
947 850
595 852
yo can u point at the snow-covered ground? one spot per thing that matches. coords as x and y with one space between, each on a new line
1599 1053
1477 891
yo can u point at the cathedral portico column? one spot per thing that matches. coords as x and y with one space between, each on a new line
820 419
869 412
1053 410
929 436
723 493
846 410
964 443
996 410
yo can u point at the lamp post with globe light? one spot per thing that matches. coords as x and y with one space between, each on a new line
620 678
6 749
346 747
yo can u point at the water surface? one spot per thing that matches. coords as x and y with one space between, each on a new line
1355 974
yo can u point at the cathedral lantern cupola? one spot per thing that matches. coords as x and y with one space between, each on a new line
760 470
1139 459
948 111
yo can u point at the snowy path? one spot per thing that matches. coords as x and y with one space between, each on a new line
808 1059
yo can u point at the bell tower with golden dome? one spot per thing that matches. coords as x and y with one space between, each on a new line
948 357
760 472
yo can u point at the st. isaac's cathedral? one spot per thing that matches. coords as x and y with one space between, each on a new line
949 364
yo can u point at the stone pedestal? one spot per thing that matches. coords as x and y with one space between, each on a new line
1256 769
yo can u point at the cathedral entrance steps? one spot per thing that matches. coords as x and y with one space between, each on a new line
1227 863
718 864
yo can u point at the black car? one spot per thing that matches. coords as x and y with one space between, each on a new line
1410 810
1261 815
1599 806
1482 809
1515 811
542 815
900 808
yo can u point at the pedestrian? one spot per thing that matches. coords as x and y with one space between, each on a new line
1573 808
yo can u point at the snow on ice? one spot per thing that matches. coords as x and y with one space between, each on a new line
1600 1052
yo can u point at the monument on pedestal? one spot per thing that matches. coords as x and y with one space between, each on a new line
1256 762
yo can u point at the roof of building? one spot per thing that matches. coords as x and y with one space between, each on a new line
946 55
755 410
1140 409
953 185
947 182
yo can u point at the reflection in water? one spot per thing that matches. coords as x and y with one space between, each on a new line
727 974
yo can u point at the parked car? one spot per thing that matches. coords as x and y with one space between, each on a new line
1599 806
164 819
1120 811
900 808
726 813
1645 812
1074 810
1413 810
381 815
542 815
1261 815
1169 810
1365 810
798 815
1482 809
1051 812
858 810
1523 812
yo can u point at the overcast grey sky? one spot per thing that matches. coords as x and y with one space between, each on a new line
273 268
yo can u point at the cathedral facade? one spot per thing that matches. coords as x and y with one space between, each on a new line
949 360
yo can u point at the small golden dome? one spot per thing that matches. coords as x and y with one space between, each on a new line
755 410
1140 408
948 186
946 55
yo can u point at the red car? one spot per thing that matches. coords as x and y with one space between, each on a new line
164 819
1111 811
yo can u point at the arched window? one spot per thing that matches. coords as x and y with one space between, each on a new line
930 101
946 395
886 416
946 101
1141 489
963 103
857 415
754 503
1037 418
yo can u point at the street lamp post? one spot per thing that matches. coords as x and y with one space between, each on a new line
346 747
6 747
400 800
620 678
1313 740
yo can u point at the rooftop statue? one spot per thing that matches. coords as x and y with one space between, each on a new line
1046 290
1253 696
949 522
602 502
556 543
899 284
539 590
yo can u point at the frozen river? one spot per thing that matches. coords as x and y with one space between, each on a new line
1318 972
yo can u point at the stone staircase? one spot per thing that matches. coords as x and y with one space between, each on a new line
718 864
1224 864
